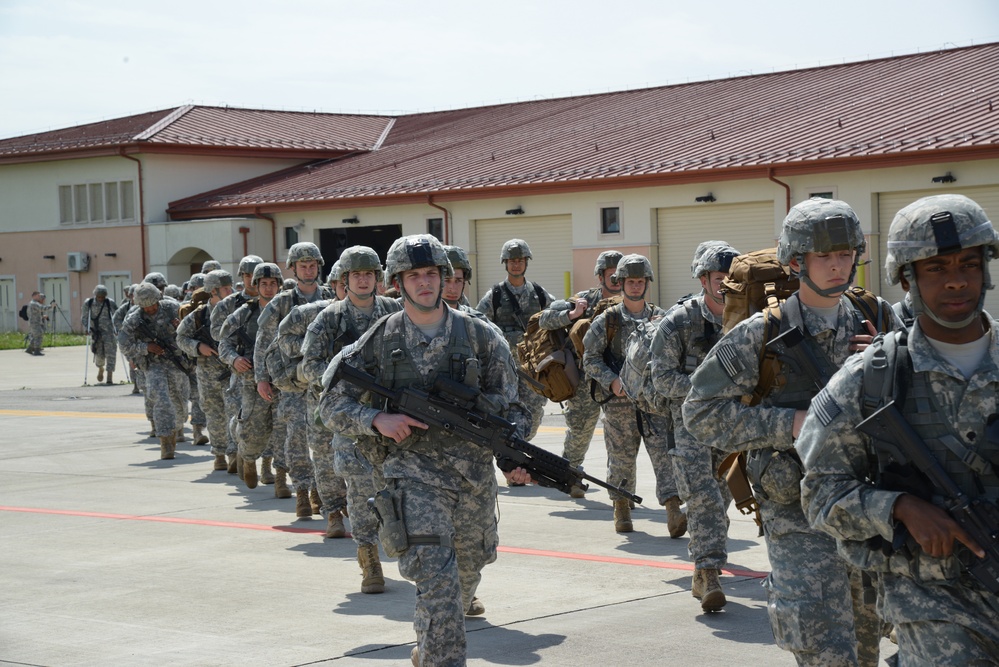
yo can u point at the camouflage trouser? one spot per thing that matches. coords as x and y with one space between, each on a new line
707 496
581 415
331 486
197 414
362 481
105 350
35 336
139 378
167 389
292 414
815 600
233 398
212 399
255 424
147 400
623 439
446 579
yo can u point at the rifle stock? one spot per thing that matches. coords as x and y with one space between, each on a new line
790 347
978 517
450 410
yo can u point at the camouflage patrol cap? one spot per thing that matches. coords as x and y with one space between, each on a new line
414 252
248 263
360 258
459 260
197 280
303 250
608 259
216 279
210 265
173 291
712 256
156 278
634 266
515 249
100 290
146 295
819 225
937 225
266 270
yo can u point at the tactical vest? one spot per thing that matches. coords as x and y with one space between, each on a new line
699 334
506 306
249 327
345 331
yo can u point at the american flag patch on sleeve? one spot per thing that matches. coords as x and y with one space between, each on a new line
666 326
825 407
730 361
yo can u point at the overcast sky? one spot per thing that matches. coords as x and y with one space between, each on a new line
65 63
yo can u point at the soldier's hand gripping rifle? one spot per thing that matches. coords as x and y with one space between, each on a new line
451 409
170 350
896 439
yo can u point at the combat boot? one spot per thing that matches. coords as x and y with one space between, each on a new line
198 437
576 491
232 463
414 656
220 462
110 381
250 474
712 596
180 435
373 581
281 489
266 471
303 508
335 528
239 466
152 430
676 520
166 447
475 608
100 374
317 502
622 516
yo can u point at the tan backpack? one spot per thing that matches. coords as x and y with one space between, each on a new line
579 328
755 281
548 362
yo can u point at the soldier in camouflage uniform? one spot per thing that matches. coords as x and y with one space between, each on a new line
255 428
903 311
582 411
681 342
603 357
166 383
98 312
509 305
117 320
939 248
454 287
194 338
37 318
445 488
816 602
306 263
338 325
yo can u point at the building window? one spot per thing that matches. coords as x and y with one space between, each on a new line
80 203
290 237
127 200
435 227
111 201
84 203
610 220
823 193
65 204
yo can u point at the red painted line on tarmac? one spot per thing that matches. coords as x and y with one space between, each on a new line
541 553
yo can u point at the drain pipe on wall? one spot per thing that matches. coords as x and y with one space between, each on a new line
142 209
257 212
246 244
787 188
447 219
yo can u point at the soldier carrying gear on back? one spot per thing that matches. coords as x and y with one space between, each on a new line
97 319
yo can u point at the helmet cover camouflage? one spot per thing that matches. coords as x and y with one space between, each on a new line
608 259
267 270
146 295
414 252
712 256
197 280
459 260
303 250
216 279
100 290
210 265
173 291
156 278
334 275
248 263
819 225
634 266
360 258
515 249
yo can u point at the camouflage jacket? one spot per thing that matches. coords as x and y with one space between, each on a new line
223 309
189 332
134 344
602 359
505 315
270 318
98 314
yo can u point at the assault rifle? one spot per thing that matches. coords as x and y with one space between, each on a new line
172 352
791 348
451 409
895 438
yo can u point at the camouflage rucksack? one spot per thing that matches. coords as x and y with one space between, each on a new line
636 373
547 359
756 280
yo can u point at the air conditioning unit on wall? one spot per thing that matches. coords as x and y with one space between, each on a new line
77 261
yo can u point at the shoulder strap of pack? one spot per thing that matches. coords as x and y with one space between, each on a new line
886 360
871 307
769 364
540 291
496 297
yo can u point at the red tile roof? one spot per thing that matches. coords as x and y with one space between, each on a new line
216 130
932 106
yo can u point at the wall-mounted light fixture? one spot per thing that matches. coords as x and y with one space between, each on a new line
351 221
110 254
705 199
48 256
300 225
946 178
515 211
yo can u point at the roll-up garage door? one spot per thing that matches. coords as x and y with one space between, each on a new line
550 239
889 203
747 227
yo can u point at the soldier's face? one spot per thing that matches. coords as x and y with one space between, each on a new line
606 279
712 284
422 285
222 292
361 281
634 286
248 286
100 297
306 269
951 285
268 287
454 286
516 267
151 310
830 269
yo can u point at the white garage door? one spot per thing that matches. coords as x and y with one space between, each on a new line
889 203
8 305
56 288
550 239
747 227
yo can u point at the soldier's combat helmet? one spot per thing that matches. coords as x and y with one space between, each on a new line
248 264
360 258
266 270
938 225
820 225
217 279
156 278
712 256
334 275
459 260
634 266
100 290
416 252
210 265
608 259
515 249
146 295
197 280
173 291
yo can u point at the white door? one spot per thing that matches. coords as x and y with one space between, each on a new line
57 288
116 284
550 239
8 305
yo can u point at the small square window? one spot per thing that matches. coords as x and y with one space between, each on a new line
435 227
610 220
290 237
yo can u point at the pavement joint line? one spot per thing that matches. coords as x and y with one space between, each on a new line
77 415
540 553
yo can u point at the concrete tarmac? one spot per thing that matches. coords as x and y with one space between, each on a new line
109 556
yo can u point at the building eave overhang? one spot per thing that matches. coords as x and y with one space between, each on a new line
143 148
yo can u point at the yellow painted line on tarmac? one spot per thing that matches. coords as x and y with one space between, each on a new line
73 415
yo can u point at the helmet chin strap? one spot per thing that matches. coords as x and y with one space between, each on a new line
313 281
918 307
637 298
837 290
